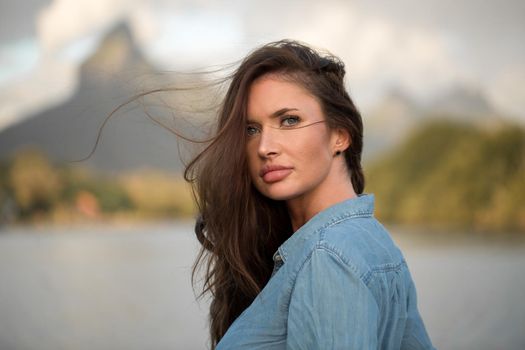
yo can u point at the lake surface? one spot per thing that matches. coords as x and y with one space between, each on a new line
129 288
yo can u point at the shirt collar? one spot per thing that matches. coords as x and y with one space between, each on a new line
361 206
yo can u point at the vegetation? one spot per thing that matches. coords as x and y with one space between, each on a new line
32 189
454 175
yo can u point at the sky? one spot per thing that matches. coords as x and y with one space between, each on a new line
423 47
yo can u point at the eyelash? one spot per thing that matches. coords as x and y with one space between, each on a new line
251 127
251 130
295 118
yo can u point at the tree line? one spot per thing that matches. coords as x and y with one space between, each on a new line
446 175
453 175
35 189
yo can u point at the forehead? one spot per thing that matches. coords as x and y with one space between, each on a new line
271 93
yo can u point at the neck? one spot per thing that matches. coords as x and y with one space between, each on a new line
333 190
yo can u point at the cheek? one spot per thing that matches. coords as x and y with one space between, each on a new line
313 150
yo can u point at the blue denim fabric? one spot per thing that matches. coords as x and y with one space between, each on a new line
339 282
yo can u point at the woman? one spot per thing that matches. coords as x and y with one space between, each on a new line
293 256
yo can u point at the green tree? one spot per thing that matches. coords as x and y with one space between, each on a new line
34 182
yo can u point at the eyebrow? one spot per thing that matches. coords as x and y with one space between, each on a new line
277 113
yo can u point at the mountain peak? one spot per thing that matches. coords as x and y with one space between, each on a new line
465 101
116 55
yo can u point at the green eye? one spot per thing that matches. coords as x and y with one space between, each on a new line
290 121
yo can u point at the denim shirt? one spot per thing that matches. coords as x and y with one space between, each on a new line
339 282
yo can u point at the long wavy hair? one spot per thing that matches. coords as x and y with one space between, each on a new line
239 228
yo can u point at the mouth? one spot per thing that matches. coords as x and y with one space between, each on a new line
274 173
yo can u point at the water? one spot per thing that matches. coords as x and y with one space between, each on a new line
471 293
129 288
100 289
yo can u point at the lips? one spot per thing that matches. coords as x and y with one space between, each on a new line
274 173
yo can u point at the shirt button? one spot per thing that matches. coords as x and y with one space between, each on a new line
278 258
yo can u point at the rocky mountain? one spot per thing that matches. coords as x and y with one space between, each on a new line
465 102
388 122
397 114
115 73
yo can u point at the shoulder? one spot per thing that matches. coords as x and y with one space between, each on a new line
363 244
359 252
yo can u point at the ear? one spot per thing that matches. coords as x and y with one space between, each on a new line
340 140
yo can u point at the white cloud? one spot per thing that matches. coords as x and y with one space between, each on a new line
64 21
17 58
67 31
379 53
188 38
380 48
51 82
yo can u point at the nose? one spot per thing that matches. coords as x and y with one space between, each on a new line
269 145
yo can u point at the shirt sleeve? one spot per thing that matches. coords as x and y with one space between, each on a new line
330 306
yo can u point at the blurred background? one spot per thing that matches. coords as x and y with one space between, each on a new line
97 254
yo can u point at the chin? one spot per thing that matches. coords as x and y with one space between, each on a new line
279 197
280 194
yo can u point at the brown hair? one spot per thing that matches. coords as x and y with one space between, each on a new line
239 228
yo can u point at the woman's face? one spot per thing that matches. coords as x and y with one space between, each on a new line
290 148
